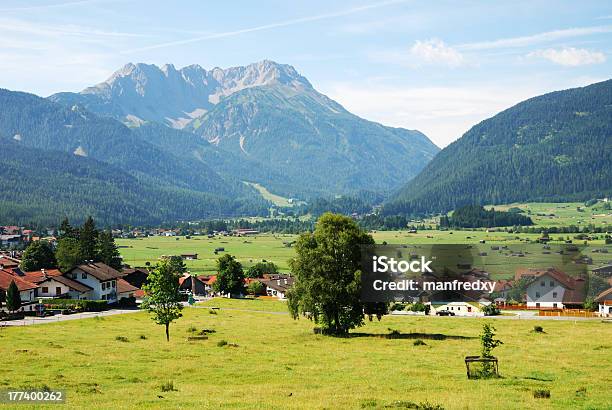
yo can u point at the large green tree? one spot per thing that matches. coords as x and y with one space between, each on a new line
68 253
88 238
163 299
261 268
327 270
230 276
13 298
107 251
38 255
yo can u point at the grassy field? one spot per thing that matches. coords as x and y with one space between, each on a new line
277 363
563 214
248 250
271 247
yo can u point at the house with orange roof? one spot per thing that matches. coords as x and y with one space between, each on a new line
551 288
27 290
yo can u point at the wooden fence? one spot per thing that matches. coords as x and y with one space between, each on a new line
568 312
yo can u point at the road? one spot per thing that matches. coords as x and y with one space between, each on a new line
32 320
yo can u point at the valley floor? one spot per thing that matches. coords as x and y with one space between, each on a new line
274 362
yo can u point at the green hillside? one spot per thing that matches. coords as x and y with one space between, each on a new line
313 141
552 148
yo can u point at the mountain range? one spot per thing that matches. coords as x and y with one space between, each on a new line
153 144
556 147
262 123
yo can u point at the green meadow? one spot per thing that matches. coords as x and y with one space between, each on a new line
272 247
274 362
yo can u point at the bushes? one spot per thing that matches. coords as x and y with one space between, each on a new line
127 302
81 305
491 310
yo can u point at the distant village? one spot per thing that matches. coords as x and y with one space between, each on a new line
547 290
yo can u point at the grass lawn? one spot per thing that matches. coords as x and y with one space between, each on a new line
279 363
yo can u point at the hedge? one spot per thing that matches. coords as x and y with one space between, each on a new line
82 305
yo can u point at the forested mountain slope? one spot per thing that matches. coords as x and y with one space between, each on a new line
554 147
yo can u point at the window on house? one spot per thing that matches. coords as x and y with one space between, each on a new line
58 290
45 289
104 286
552 283
537 294
83 276
113 283
554 294
542 283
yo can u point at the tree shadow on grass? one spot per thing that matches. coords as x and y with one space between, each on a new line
397 335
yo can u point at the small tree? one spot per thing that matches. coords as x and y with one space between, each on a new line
230 277
488 342
13 298
163 299
39 255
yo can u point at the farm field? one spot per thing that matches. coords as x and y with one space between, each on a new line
279 363
271 247
563 214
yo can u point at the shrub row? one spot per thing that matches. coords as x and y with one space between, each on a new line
81 305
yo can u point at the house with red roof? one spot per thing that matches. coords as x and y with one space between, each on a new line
551 288
125 289
27 290
52 284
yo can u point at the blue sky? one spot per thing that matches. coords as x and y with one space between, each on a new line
435 66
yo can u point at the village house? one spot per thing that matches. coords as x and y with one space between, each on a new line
208 282
192 284
8 262
501 290
125 290
604 299
10 241
51 284
459 308
101 278
189 256
277 285
135 276
551 288
605 270
27 290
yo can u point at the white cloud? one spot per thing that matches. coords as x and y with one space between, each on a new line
443 113
570 56
436 52
536 38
